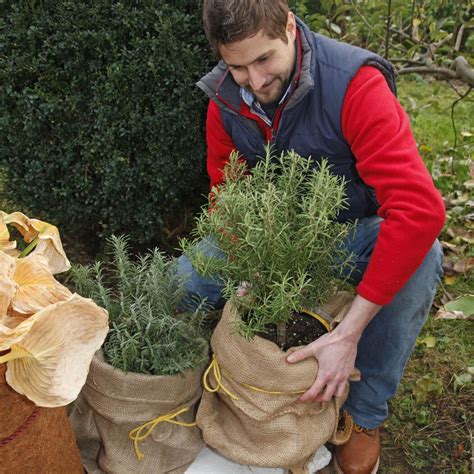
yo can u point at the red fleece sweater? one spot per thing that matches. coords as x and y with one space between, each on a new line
378 132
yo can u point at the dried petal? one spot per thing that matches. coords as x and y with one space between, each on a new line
50 364
50 246
37 288
11 336
18 220
12 319
49 243
5 243
7 285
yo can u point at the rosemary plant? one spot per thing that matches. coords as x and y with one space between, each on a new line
146 334
277 228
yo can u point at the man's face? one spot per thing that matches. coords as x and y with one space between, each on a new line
261 64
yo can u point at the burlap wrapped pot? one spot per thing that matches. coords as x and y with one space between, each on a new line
34 439
251 415
113 403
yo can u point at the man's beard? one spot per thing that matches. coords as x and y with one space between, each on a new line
275 93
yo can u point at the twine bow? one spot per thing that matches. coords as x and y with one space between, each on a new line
216 371
137 435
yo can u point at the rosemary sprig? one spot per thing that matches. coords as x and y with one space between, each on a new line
146 335
277 227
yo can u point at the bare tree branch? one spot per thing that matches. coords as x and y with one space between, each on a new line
387 31
457 45
463 71
443 72
454 124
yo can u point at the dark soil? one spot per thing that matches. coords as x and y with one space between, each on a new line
301 330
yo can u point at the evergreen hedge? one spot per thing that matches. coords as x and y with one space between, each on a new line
101 125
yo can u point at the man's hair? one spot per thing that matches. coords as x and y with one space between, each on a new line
226 21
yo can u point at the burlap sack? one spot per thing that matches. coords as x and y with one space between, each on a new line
253 417
33 439
112 403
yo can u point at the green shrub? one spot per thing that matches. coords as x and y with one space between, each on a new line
277 229
146 335
101 125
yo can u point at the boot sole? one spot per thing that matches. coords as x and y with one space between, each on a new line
338 470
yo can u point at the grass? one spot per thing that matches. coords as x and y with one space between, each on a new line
430 424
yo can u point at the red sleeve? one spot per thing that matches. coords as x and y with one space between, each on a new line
378 132
219 144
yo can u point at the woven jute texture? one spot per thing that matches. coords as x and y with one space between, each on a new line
32 439
112 403
258 428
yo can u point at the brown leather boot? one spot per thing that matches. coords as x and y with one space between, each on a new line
361 454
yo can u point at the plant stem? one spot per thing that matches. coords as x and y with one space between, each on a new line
387 33
29 249
281 333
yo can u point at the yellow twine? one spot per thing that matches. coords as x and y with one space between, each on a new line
214 366
136 434
318 318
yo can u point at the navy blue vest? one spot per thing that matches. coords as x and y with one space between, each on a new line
310 123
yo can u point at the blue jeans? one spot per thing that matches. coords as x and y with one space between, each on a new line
388 340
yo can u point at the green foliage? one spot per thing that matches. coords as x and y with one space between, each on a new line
436 432
430 416
277 228
146 334
363 22
101 125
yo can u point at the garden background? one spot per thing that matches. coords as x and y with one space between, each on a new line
102 132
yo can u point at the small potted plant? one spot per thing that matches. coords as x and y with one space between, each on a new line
48 337
136 412
283 260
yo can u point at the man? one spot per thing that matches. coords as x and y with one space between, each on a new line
278 82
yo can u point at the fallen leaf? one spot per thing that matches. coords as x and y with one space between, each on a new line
469 184
465 304
449 246
462 379
448 267
459 233
425 387
450 279
443 314
446 297
466 134
463 198
428 341
463 266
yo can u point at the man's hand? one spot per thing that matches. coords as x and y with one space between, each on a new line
336 357
336 352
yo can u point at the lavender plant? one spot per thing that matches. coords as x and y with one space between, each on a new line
277 228
146 334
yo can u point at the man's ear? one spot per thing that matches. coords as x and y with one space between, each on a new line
291 26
